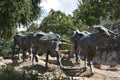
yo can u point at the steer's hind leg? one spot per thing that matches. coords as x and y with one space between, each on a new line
85 62
59 59
77 56
34 55
91 67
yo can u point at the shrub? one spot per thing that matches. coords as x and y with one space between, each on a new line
9 73
6 47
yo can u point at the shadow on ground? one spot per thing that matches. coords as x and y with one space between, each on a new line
40 68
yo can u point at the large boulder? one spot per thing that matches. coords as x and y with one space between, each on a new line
107 58
109 52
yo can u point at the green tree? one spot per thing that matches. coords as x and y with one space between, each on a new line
14 13
92 12
114 9
57 22
33 27
6 47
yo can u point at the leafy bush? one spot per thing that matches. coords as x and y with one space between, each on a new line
67 45
6 47
9 73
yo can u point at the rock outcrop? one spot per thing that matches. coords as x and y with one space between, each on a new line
108 53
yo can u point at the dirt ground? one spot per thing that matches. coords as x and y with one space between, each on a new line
71 71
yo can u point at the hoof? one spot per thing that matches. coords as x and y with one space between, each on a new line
33 64
46 67
91 74
84 68
78 62
36 60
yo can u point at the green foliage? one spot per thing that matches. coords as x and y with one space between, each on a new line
113 9
9 73
33 27
67 45
6 47
7 32
14 13
57 22
35 10
92 12
62 24
10 12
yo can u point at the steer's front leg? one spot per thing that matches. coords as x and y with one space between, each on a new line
46 64
34 56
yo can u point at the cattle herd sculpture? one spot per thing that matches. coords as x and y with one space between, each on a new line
84 43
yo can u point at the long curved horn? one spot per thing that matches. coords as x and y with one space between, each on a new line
113 32
98 27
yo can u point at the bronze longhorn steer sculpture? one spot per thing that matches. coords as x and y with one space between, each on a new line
88 43
49 44
74 39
